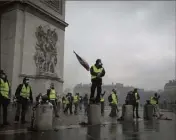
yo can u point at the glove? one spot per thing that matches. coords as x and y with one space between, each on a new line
99 74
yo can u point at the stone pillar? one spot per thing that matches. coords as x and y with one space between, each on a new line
44 117
94 114
128 115
149 112
32 43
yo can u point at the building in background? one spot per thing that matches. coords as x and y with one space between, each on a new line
170 91
122 91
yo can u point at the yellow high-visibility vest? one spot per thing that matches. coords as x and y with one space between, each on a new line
25 91
67 101
96 71
4 89
76 99
114 98
153 101
52 94
102 100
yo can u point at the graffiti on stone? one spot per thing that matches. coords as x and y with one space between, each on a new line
46 50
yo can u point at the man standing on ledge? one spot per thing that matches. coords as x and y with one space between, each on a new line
136 102
97 72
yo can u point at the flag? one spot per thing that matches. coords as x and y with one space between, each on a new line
82 61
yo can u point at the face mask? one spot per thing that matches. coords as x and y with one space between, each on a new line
3 76
27 82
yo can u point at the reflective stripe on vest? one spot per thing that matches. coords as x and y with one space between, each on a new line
102 100
96 71
52 94
152 101
114 98
75 98
25 91
4 89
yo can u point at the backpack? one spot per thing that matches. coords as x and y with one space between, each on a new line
110 98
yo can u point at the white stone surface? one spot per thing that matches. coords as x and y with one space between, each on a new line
128 115
44 117
94 114
8 23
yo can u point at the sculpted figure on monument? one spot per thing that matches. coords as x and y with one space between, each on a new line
46 50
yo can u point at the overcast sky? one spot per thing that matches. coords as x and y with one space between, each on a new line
135 40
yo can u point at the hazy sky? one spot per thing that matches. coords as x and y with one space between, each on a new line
135 40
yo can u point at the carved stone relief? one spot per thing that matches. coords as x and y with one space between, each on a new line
46 51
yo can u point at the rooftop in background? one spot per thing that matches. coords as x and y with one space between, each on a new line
171 83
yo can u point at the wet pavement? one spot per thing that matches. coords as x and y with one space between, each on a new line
68 129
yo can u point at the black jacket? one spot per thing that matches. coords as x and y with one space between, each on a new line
18 91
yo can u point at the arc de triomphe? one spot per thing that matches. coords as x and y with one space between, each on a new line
32 42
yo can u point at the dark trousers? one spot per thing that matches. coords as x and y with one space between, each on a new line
76 108
21 104
53 102
4 103
113 112
68 106
80 106
63 106
102 108
136 107
85 108
96 85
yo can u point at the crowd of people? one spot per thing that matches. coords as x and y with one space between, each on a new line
23 97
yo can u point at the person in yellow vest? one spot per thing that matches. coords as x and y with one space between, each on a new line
102 101
97 72
76 102
24 96
136 103
113 103
52 98
69 101
154 101
5 95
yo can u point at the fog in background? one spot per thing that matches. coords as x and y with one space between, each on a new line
135 40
